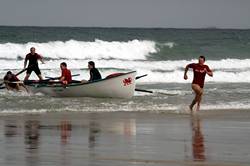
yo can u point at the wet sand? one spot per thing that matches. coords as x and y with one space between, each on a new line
126 138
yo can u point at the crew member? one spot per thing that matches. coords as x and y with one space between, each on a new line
12 82
94 72
33 58
200 70
66 77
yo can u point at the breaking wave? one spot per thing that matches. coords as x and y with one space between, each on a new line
72 49
119 56
225 70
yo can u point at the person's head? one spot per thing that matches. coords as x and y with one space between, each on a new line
91 65
202 60
63 65
32 50
9 74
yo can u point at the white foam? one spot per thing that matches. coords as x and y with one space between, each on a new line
227 106
23 111
170 44
72 49
225 70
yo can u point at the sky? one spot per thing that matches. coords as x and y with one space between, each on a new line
127 13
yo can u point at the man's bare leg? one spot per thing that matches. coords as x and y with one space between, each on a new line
40 77
199 102
27 77
22 85
192 105
18 87
198 94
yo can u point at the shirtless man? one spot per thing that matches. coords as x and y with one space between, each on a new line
200 70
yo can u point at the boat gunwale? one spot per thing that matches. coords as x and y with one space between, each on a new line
77 84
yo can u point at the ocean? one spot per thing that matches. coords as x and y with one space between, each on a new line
148 129
160 53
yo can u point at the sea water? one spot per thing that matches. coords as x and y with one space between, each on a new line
160 53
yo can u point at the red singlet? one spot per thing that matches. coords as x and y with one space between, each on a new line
67 75
199 73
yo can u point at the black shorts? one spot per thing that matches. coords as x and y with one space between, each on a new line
35 69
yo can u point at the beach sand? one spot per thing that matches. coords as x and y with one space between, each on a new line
126 138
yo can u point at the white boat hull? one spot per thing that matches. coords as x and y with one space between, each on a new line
122 86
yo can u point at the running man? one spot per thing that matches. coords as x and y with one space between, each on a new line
33 57
200 70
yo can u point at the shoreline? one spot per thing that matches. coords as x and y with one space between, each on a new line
124 138
180 111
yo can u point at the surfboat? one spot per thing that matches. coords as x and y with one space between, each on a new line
120 85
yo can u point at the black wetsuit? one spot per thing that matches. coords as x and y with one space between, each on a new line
33 64
94 74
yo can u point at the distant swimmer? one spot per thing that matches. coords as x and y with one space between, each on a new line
200 70
93 72
33 58
66 76
12 82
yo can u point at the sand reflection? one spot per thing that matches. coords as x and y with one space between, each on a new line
197 139
10 129
94 131
65 128
32 134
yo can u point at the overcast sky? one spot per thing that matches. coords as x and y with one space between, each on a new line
127 13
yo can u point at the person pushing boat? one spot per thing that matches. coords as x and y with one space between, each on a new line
12 82
200 70
33 58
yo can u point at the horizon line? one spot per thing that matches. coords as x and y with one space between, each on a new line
118 27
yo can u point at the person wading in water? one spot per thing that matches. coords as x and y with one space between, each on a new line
200 70
33 57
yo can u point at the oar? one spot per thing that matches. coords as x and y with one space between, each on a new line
28 82
20 72
149 91
143 90
138 77
57 78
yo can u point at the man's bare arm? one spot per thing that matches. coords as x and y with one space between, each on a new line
185 72
25 63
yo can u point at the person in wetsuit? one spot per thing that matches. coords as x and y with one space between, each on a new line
94 72
33 58
200 70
